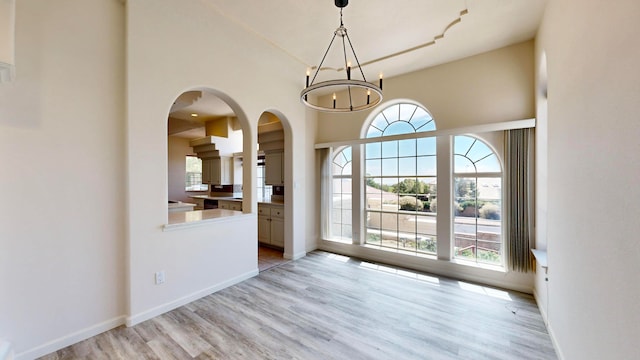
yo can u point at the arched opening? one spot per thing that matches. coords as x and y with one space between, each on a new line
206 134
270 185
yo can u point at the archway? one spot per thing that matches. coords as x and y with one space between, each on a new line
207 134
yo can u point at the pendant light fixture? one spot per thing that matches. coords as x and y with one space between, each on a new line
356 94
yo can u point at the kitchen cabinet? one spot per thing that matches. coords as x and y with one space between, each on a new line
230 205
274 168
199 203
217 171
271 225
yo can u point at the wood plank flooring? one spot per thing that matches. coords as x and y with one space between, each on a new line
326 306
269 257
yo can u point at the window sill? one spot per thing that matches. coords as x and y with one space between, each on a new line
196 218
426 256
469 263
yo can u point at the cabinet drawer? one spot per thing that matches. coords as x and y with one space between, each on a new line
277 212
263 210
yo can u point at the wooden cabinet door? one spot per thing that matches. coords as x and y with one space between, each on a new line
206 171
277 232
216 175
264 229
273 168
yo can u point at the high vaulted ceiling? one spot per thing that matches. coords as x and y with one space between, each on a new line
390 37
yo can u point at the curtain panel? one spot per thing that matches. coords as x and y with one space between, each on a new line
519 194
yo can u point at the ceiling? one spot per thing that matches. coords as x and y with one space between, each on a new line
390 37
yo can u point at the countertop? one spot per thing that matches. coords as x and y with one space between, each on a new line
180 204
207 197
230 198
196 217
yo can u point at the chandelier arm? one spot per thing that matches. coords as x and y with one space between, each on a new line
346 65
344 52
355 56
322 61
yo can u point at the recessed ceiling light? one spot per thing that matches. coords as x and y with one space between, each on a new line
194 115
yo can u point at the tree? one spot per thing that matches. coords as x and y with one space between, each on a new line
465 188
411 186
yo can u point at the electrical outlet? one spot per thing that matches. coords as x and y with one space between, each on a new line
160 277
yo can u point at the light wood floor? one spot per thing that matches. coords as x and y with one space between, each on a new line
269 257
327 306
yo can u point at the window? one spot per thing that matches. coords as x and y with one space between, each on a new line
477 201
193 176
263 191
400 181
341 227
396 182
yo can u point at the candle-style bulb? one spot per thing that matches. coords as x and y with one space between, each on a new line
349 70
368 96
307 82
334 100
380 81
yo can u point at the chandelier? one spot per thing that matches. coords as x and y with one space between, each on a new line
355 95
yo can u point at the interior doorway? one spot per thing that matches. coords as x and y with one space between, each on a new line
271 191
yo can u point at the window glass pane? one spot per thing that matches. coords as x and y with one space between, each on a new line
463 165
389 149
347 169
490 189
426 188
478 151
373 193
407 166
339 159
426 165
336 169
407 147
373 132
390 167
345 184
405 186
426 146
422 121
399 127
337 186
462 144
193 174
373 150
373 167
341 207
489 164
379 123
392 113
407 111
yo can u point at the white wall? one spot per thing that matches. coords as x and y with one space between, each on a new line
62 151
200 259
593 165
487 88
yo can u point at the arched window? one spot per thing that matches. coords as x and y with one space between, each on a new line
477 201
341 227
400 181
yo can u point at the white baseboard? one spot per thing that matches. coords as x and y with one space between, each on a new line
166 307
70 339
94 330
545 318
295 256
